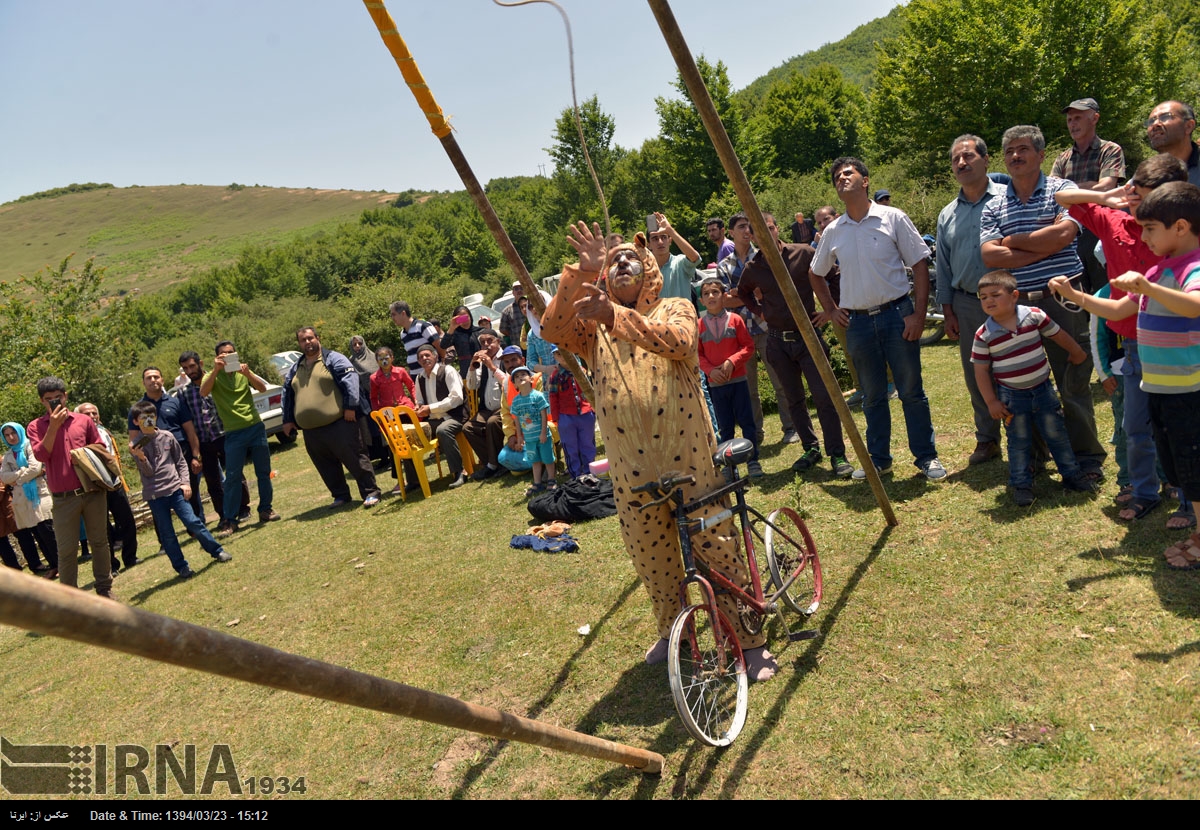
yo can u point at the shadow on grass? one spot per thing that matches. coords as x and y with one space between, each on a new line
691 782
476 770
1168 656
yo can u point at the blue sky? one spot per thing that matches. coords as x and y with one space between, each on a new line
303 93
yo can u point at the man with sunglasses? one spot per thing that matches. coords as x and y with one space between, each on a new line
1027 233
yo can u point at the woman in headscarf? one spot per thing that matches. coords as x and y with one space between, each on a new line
31 502
463 336
365 365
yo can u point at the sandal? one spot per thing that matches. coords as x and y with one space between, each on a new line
1185 555
534 489
1124 496
1138 510
1184 519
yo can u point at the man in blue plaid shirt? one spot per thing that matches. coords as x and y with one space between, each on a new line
211 433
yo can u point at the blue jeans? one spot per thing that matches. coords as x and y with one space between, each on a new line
1037 407
732 401
876 343
239 443
1139 436
161 510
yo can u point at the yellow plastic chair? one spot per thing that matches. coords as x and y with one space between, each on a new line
407 441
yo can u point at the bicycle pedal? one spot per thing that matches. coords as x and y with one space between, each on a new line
807 634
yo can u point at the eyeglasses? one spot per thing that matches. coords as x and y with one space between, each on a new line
1163 118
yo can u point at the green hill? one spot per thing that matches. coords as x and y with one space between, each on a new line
854 55
149 237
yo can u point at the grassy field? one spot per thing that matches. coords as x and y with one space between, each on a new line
150 237
978 650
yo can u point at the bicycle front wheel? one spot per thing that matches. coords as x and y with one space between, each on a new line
791 550
708 675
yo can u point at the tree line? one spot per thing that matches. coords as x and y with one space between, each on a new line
944 67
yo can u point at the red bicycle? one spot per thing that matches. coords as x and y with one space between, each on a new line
704 659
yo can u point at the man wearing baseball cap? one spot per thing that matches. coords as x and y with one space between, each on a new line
1093 164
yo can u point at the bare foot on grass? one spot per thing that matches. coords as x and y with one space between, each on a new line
760 664
657 653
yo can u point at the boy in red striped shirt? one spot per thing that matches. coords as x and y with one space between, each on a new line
1013 374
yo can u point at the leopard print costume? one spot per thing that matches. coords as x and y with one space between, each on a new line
652 416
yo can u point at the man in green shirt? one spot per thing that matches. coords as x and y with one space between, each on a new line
233 393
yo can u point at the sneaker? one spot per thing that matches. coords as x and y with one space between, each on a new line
1022 496
370 501
810 459
856 398
482 474
790 436
892 393
186 573
339 502
222 556
933 470
861 474
459 482
397 490
226 530
244 515
984 451
841 467
755 469
268 516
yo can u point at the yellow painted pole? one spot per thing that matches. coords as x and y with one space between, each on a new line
441 128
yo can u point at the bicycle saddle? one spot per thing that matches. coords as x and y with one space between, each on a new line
733 452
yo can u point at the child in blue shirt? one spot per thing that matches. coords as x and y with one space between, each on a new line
531 412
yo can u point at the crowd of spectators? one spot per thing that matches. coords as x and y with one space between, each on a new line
1006 248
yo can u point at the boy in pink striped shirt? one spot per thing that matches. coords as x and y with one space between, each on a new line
1013 375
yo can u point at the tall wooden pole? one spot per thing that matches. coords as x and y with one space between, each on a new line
42 606
741 186
441 128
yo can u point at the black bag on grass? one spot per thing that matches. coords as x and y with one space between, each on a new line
576 500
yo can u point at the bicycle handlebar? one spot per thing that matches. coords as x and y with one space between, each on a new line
662 487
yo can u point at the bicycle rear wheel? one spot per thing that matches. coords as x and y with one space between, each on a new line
708 675
791 550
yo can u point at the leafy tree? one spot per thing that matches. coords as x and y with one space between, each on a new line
58 322
982 66
691 168
806 120
574 193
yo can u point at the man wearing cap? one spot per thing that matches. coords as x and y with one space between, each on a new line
1169 130
320 396
1093 164
485 429
882 197
440 402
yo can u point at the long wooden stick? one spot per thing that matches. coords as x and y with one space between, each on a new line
741 186
42 606
441 128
